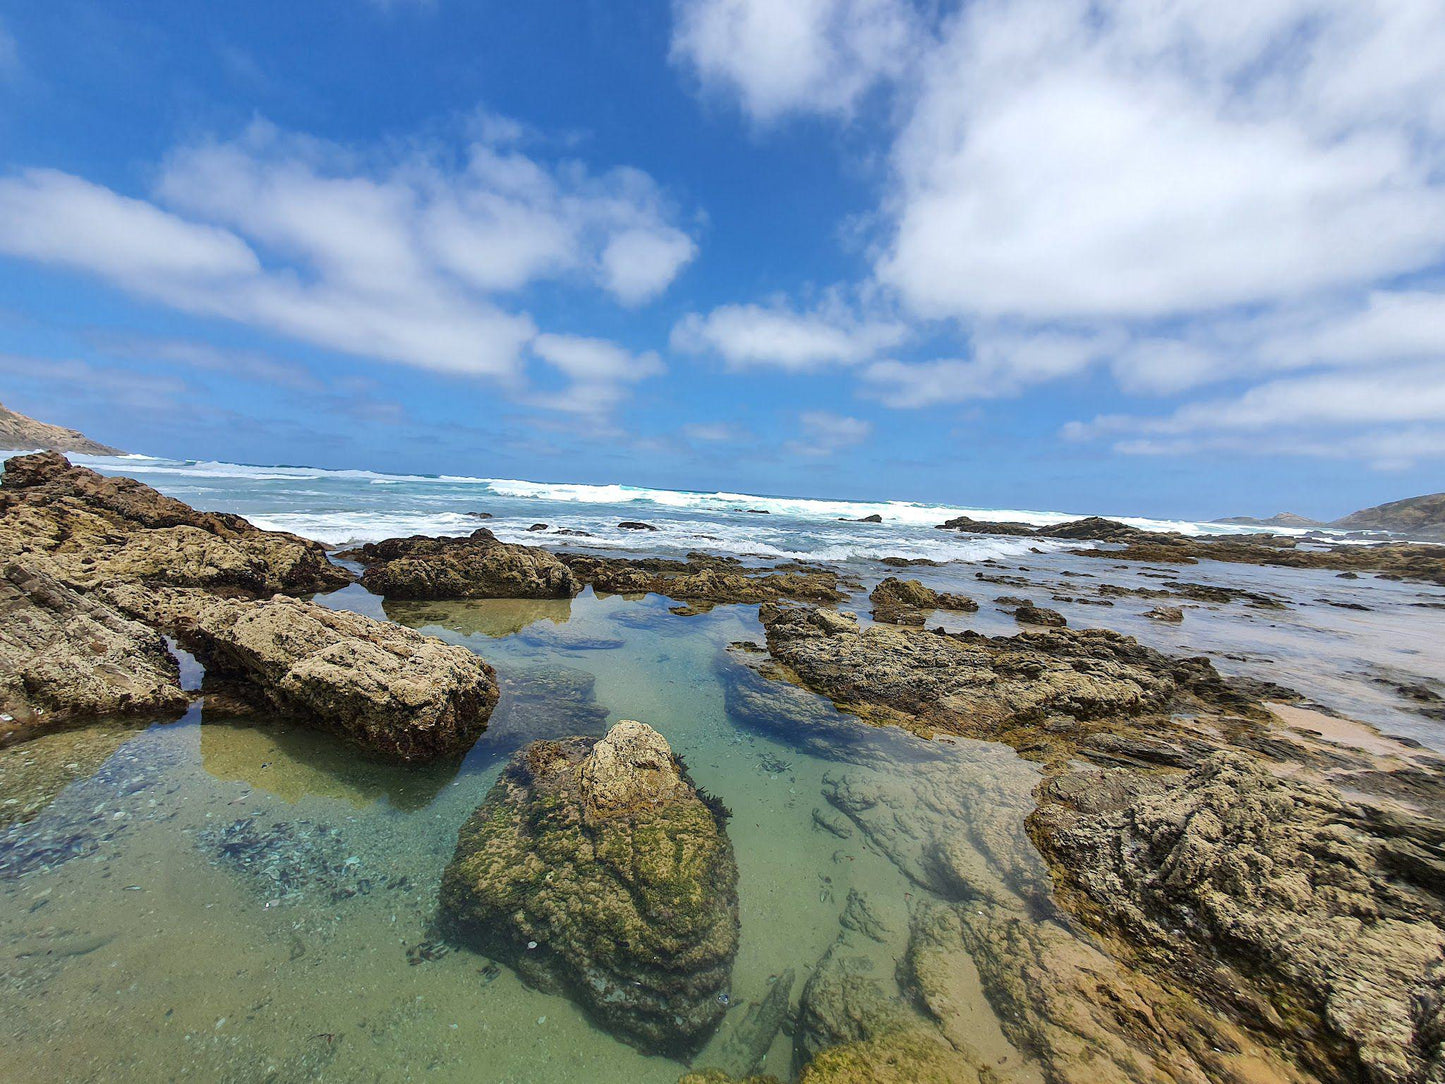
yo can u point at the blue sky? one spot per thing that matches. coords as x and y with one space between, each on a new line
1166 257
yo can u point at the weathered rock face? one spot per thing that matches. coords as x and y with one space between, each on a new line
84 528
596 869
477 566
1280 879
63 655
387 688
908 602
1050 693
702 578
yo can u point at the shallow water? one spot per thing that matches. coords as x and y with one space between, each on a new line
220 900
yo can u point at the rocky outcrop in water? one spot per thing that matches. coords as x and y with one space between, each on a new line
64 655
84 528
596 869
705 579
908 602
476 566
384 687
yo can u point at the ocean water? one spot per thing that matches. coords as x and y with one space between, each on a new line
341 507
221 899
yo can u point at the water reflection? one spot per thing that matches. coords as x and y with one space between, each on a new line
494 618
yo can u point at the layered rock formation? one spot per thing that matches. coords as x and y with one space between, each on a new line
595 868
85 528
477 566
64 655
908 602
381 686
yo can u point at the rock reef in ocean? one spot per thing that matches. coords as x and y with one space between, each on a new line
475 566
596 869
64 655
703 579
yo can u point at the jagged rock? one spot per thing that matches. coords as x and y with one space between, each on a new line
633 525
64 655
84 528
1093 528
385 687
874 518
907 602
975 526
1029 614
595 868
1166 613
476 566
1280 879
1042 692
704 578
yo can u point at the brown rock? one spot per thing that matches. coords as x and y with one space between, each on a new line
477 566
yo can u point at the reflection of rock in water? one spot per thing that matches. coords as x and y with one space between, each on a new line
288 861
297 763
87 818
542 702
494 617
804 720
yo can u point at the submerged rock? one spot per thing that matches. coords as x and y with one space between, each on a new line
387 688
84 528
595 868
63 655
476 566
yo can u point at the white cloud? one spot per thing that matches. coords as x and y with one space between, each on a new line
824 433
400 260
1003 364
799 56
713 432
746 336
598 372
1161 157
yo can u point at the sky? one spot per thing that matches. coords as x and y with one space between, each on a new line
1159 257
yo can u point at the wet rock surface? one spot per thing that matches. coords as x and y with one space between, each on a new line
84 528
595 868
475 566
908 602
65 655
384 687
703 579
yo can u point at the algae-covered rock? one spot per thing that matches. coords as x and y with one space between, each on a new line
596 869
64 655
912 1056
908 602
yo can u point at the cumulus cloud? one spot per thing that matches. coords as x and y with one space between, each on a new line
403 259
1178 193
801 56
780 336
598 372
823 433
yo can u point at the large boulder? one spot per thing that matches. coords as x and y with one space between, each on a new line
84 528
387 688
476 566
908 602
64 655
596 869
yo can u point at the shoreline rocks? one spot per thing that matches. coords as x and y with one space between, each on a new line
908 602
64 655
705 579
423 568
84 528
595 868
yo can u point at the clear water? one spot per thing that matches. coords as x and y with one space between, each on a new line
216 900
